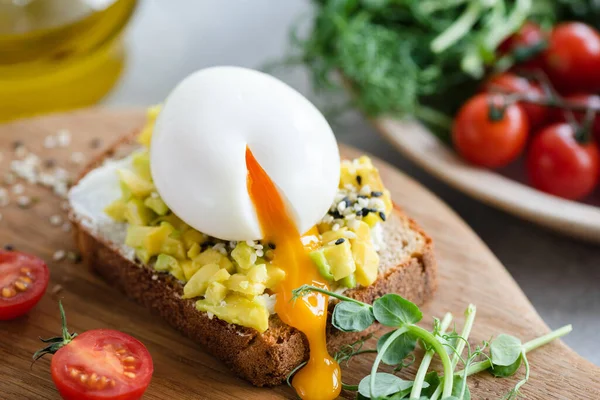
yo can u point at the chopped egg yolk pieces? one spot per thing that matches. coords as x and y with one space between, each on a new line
320 379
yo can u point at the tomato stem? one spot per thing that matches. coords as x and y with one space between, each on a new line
57 342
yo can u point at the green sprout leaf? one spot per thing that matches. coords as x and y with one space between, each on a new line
400 348
433 381
505 350
385 385
503 371
460 389
393 310
352 317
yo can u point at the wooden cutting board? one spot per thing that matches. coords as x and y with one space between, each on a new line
468 272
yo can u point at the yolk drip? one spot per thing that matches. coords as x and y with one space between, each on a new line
320 378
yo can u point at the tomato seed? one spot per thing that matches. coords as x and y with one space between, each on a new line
102 383
129 368
74 373
83 378
8 292
112 383
121 351
129 374
24 279
21 287
25 270
129 360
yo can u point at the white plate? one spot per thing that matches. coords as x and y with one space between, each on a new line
503 189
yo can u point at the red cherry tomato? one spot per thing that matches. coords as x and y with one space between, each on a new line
23 281
487 142
572 59
510 83
102 364
590 100
530 36
559 165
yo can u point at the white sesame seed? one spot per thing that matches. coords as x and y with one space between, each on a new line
23 201
253 258
362 202
154 277
18 188
335 227
50 142
365 190
259 253
332 243
258 247
350 235
56 220
63 138
210 315
250 243
59 255
232 244
77 158
341 206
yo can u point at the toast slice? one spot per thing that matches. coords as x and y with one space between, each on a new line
407 267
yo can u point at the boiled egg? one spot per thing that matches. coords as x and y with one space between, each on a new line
199 144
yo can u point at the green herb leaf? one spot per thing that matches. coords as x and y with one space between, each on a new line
503 371
457 388
400 348
505 350
385 385
352 317
393 310
432 379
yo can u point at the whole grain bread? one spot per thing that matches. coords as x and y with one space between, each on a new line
407 267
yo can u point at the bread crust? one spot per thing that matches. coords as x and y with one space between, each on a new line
264 359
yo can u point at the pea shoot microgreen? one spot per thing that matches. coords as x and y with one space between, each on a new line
504 358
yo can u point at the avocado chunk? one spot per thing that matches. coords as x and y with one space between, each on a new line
138 186
157 205
367 262
165 263
238 309
338 260
136 213
116 210
348 281
320 261
199 282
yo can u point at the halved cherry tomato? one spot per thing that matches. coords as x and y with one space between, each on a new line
485 141
528 39
510 83
590 100
23 281
102 364
558 164
572 59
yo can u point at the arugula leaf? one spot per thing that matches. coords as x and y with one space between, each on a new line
352 317
393 310
400 348
385 385
505 350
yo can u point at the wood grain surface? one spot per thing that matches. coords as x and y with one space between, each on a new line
469 272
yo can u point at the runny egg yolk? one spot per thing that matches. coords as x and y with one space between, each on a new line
320 378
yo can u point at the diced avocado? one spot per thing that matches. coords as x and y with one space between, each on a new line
362 231
339 258
177 272
193 251
258 274
157 205
371 219
142 255
173 247
116 210
136 213
189 268
145 137
212 256
244 256
215 293
241 284
332 236
165 262
237 309
220 276
141 165
136 235
197 285
154 241
320 261
175 221
138 186
348 281
367 262
192 236
275 275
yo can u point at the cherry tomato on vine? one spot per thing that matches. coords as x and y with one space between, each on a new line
572 59
560 164
487 136
590 100
511 83
23 281
528 42
101 364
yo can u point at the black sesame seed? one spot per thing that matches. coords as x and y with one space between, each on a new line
272 246
347 201
17 143
49 163
366 211
9 247
208 244
335 214
95 143
359 179
376 194
359 213
340 241
382 215
362 196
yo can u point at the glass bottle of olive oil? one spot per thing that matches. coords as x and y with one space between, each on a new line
59 54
